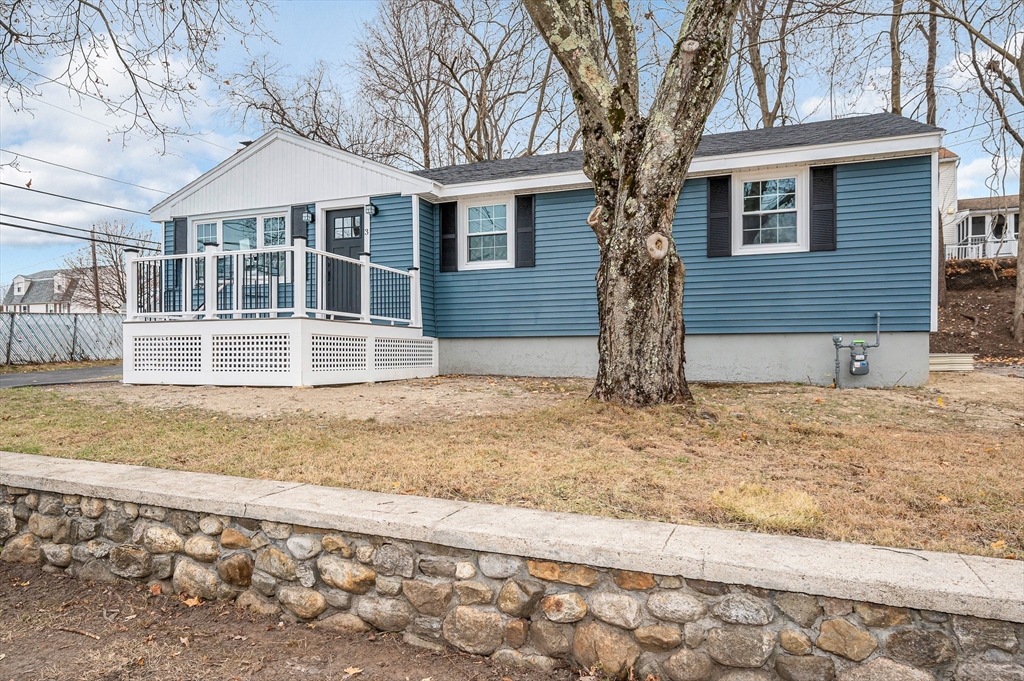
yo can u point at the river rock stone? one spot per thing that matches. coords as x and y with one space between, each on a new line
874 615
472 593
202 548
633 581
57 554
153 513
130 509
275 562
388 586
44 526
162 540
236 569
977 635
597 644
688 665
805 668
386 614
276 530
577 575
8 523
256 604
345 574
336 598
658 638
675 606
740 647
437 567
22 511
499 566
746 675
116 526
344 623
364 554
708 588
183 522
741 608
801 608
519 597
50 504
568 607
32 500
87 529
516 632
302 602
989 671
616 609
921 648
473 631
303 546
263 583
211 525
514 658
230 538
550 638
464 570
130 560
91 508
882 669
335 543
24 548
98 548
836 607
842 638
195 580
795 642
304 573
427 597
394 560
163 566
96 570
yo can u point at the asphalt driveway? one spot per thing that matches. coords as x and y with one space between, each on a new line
61 376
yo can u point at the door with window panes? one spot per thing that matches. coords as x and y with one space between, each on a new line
341 278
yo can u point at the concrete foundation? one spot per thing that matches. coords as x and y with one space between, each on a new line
902 358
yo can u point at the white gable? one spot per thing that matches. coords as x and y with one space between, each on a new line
281 169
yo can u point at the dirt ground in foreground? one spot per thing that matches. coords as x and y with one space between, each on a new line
428 399
977 321
55 628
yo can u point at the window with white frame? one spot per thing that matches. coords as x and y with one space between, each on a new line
770 212
241 233
273 231
206 233
486 233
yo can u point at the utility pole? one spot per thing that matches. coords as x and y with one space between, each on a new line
95 272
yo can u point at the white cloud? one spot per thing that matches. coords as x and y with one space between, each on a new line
975 177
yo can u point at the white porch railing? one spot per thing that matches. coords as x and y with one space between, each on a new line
271 283
980 247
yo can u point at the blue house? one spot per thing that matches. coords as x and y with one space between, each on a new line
789 235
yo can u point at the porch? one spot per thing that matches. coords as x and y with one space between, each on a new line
981 248
279 316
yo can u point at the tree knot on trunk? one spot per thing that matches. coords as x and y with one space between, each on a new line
657 246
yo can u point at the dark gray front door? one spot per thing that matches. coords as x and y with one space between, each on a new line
344 237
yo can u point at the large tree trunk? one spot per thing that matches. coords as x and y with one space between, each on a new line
896 58
638 164
932 36
1018 303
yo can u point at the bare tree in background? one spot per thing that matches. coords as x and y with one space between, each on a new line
161 52
110 266
990 46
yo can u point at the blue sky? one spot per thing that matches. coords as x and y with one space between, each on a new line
59 128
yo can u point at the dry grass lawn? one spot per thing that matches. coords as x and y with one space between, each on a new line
939 467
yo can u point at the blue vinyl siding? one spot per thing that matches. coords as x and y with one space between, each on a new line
882 264
555 298
391 231
427 266
169 238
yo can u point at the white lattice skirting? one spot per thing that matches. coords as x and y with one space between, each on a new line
273 352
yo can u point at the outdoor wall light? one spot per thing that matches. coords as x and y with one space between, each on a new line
371 209
307 217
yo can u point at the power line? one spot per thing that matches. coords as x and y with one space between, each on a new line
84 172
79 229
72 198
75 236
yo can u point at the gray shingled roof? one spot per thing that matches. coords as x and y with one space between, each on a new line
857 129
39 290
989 203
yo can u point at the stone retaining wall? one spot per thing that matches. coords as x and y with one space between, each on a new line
519 611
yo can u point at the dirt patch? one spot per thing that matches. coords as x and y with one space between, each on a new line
431 399
977 321
141 635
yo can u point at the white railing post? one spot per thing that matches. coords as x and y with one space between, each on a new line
415 309
364 286
210 280
131 284
299 283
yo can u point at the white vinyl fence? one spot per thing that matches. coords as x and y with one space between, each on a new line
42 338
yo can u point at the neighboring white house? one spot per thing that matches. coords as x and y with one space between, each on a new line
948 210
986 227
43 292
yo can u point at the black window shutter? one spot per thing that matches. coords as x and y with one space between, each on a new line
719 217
525 232
298 226
180 236
823 208
449 237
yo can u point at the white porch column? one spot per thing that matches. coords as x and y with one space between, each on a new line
364 287
415 309
131 284
210 280
299 283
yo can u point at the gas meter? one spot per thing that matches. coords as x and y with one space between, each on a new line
858 358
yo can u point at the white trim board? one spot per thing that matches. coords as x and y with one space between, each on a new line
944 582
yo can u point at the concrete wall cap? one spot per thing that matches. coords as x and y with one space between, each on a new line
945 582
